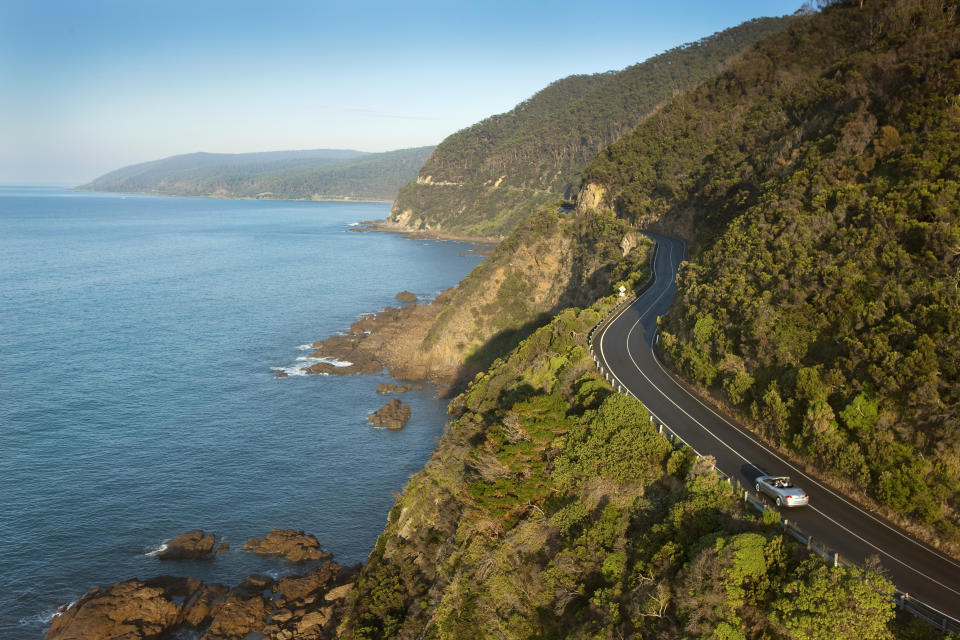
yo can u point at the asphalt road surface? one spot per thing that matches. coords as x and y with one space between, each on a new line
626 348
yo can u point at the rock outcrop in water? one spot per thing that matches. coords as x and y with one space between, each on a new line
192 545
298 607
386 388
406 296
294 546
393 415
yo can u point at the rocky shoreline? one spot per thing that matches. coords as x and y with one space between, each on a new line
484 245
307 606
388 340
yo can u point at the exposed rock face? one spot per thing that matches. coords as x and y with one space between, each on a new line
390 337
406 296
590 197
294 546
361 364
550 262
130 610
192 545
307 607
393 415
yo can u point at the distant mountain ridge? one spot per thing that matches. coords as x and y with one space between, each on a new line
320 174
483 180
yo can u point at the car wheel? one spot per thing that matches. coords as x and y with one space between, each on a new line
757 487
779 502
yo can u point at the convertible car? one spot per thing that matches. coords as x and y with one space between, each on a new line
783 492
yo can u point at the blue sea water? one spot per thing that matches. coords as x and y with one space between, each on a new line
137 400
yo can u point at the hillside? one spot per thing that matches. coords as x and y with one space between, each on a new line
553 509
291 175
483 180
819 180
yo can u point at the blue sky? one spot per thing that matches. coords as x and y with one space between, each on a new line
89 86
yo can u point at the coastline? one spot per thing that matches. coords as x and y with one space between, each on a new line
388 226
311 416
214 196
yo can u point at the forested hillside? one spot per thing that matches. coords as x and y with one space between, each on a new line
553 509
819 180
483 180
291 175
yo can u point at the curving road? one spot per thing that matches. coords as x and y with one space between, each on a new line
625 348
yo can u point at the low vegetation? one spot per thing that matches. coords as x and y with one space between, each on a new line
553 509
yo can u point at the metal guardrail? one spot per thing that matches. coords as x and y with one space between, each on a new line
902 600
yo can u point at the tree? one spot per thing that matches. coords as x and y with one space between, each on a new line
837 603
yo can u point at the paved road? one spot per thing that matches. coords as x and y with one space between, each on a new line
625 348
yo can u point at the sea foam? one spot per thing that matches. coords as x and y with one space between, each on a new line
304 362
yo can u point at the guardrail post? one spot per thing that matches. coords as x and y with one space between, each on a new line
809 542
836 559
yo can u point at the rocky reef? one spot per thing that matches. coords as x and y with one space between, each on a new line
296 607
192 545
393 415
293 546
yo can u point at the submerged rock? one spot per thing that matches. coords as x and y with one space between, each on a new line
386 388
192 545
393 415
294 546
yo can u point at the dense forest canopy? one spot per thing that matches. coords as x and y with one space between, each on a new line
819 180
484 179
290 175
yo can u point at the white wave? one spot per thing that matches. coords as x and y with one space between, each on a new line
354 224
305 347
46 617
325 360
290 371
160 549
305 362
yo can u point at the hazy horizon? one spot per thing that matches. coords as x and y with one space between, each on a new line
95 86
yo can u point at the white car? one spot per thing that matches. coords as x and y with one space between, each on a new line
783 492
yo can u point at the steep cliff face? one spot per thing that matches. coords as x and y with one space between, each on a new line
554 259
482 181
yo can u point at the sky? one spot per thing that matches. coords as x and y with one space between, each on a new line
88 86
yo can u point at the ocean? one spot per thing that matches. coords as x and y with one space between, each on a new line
139 341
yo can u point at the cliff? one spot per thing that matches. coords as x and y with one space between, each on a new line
554 259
